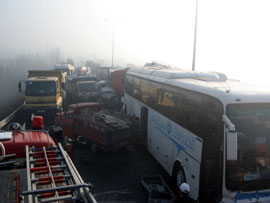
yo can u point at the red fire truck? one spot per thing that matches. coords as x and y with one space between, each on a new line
34 169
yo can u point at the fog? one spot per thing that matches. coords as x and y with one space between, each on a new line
232 37
15 70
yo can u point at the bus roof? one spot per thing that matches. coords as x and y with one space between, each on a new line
209 83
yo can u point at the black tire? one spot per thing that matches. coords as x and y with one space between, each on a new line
179 175
94 147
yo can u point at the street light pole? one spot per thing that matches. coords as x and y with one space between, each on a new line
195 37
113 43
113 23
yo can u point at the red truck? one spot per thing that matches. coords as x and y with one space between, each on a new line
96 128
14 140
34 169
117 80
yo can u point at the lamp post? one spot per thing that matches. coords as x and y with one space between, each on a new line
195 36
113 23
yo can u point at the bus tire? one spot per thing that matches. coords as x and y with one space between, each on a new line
179 175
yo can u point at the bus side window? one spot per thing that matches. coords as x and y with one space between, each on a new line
145 85
155 92
128 84
169 100
136 88
189 110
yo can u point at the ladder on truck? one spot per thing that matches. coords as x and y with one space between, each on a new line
52 177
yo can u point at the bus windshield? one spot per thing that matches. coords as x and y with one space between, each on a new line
251 171
40 88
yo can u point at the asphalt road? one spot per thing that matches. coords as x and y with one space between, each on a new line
116 175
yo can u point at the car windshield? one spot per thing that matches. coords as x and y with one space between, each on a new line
102 83
251 171
40 88
87 87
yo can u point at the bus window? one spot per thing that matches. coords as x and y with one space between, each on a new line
155 92
189 110
128 84
145 84
169 100
136 88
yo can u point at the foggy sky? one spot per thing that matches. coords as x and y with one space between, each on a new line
233 35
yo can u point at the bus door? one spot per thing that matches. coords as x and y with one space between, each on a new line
144 123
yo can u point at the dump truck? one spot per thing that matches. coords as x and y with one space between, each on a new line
44 92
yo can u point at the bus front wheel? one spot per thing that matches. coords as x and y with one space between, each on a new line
179 176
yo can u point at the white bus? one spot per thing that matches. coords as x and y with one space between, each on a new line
205 130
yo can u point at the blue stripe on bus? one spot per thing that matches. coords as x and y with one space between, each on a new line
173 133
166 130
251 196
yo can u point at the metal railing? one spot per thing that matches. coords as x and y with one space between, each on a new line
52 177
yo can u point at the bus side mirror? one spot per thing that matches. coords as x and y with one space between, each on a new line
232 146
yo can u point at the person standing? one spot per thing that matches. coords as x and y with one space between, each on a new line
184 190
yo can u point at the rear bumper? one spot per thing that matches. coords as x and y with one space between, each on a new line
41 110
38 107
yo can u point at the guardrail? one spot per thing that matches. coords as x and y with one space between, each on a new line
6 120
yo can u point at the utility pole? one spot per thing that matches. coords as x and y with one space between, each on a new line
195 37
113 23
113 43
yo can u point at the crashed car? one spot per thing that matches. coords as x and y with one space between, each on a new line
87 91
109 98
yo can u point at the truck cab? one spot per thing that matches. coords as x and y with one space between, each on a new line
44 91
87 91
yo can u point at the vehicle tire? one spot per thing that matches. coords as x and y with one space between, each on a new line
3 151
179 176
94 147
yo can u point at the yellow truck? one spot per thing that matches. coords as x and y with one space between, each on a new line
44 91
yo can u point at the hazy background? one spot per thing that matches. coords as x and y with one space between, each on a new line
14 70
232 37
